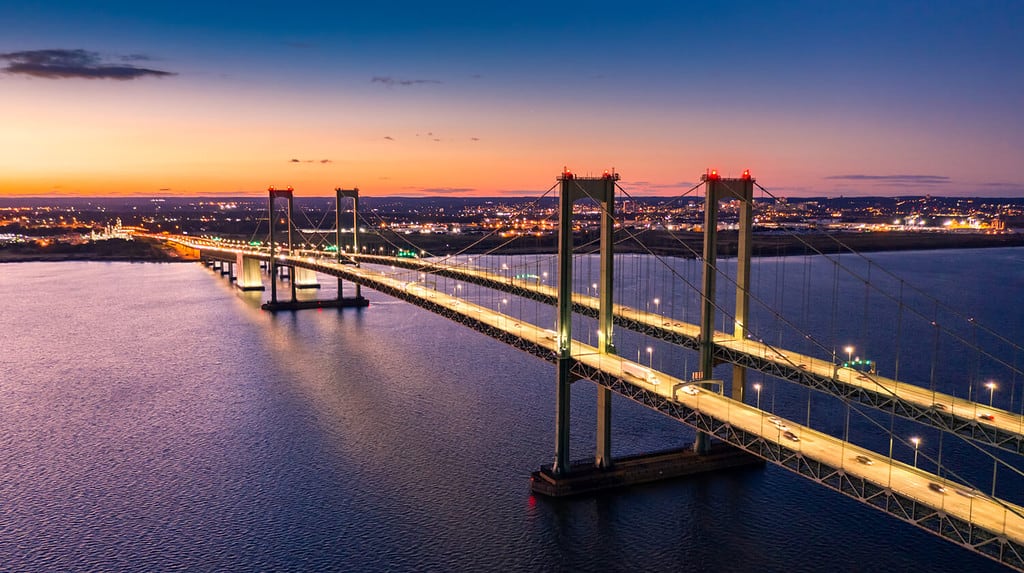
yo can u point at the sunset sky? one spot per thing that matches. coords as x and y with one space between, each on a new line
421 98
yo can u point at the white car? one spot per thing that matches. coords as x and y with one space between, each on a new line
691 390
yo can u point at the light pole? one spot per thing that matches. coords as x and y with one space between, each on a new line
917 442
656 301
849 354
757 388
991 391
650 356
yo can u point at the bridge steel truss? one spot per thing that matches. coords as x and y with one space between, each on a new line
934 520
880 399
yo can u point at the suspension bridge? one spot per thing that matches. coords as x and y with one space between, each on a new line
608 297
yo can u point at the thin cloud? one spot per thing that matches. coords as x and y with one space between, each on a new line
309 161
474 139
447 190
65 64
895 179
392 82
658 186
389 138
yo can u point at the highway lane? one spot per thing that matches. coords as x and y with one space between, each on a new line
966 411
993 515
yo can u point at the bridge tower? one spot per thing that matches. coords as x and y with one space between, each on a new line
279 194
354 195
602 190
717 188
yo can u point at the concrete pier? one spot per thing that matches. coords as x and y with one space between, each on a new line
248 277
585 477
305 278
347 302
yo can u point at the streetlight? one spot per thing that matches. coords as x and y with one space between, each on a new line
656 301
505 302
650 355
849 354
757 388
991 391
917 442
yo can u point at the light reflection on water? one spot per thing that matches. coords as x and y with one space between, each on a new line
153 418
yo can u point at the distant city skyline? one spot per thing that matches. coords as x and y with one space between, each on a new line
455 99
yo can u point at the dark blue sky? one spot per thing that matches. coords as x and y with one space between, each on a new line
802 93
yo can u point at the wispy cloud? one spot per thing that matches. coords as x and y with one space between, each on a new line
65 64
293 160
392 82
389 138
447 190
894 179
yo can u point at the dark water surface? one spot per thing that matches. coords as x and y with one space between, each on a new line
152 418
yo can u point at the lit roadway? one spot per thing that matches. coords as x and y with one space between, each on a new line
939 410
996 516
965 411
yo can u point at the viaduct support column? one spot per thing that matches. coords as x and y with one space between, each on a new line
715 189
339 195
605 342
273 268
707 309
564 334
601 190
742 189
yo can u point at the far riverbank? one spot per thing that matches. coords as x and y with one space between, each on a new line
663 243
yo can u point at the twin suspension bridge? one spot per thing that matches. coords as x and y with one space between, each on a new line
725 350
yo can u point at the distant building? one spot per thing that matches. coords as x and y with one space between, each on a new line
115 231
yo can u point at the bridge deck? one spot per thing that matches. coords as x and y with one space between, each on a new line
1004 429
943 411
991 526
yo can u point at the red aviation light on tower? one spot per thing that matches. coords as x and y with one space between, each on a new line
713 175
270 188
566 174
746 174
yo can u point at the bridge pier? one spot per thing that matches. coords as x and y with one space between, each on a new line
583 477
305 278
715 189
249 278
564 477
302 277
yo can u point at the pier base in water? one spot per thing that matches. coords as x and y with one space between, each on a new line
585 477
347 302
